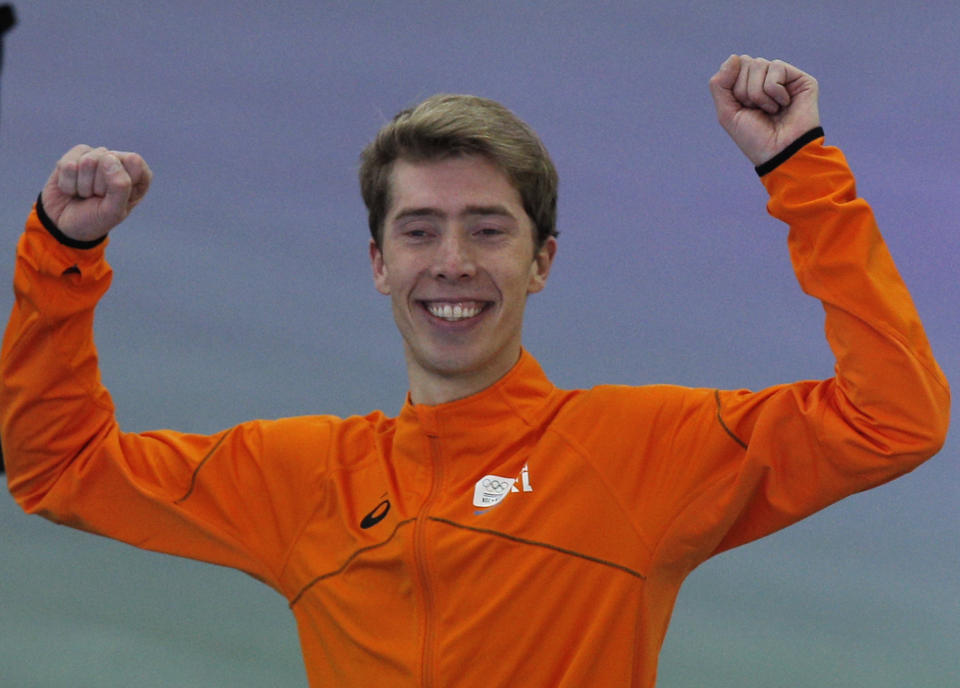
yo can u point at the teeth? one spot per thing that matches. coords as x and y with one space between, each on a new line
455 311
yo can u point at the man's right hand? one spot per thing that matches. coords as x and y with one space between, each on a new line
92 190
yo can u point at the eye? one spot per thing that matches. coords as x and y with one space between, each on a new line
417 232
489 231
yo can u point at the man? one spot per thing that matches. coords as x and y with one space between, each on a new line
499 531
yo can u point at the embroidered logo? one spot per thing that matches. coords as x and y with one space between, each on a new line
490 490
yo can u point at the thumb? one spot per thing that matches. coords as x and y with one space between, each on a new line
726 76
140 175
721 88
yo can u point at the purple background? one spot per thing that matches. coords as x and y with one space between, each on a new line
242 288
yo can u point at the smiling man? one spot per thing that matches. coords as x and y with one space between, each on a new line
458 256
499 531
463 201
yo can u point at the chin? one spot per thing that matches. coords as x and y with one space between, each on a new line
453 365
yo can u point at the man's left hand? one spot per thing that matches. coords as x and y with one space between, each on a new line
764 105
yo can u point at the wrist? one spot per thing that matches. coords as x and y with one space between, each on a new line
788 152
57 234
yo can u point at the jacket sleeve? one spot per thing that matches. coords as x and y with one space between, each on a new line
803 446
702 471
215 498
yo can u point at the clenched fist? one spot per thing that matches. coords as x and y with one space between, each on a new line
764 105
92 190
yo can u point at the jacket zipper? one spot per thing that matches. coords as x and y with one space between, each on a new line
419 543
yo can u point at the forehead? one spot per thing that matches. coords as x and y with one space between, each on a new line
451 184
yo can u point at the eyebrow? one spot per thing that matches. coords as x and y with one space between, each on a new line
481 210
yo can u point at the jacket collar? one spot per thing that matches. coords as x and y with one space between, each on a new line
520 394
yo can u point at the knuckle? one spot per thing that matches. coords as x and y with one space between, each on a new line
92 154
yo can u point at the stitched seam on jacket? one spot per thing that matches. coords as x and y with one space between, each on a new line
716 396
545 545
193 478
695 495
349 560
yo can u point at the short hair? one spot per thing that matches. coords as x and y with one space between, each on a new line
448 125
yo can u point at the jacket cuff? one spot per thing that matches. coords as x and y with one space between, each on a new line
55 232
784 155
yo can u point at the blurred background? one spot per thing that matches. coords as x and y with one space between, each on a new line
242 288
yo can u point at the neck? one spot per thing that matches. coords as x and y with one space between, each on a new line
437 387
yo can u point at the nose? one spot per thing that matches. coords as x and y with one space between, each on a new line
453 259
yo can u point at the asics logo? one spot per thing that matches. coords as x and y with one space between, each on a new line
378 513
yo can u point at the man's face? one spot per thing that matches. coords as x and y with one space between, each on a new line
457 259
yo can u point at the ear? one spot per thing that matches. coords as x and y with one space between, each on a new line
540 268
379 269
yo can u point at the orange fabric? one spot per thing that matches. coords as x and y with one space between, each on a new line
369 527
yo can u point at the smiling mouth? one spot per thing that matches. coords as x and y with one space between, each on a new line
454 311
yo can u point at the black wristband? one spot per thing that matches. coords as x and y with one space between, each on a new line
784 155
55 232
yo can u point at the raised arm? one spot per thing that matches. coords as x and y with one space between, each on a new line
887 408
233 498
722 468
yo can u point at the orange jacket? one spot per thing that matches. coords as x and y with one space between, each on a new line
523 536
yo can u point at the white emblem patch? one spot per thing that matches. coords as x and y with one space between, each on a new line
490 490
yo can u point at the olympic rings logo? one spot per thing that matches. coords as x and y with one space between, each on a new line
495 485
